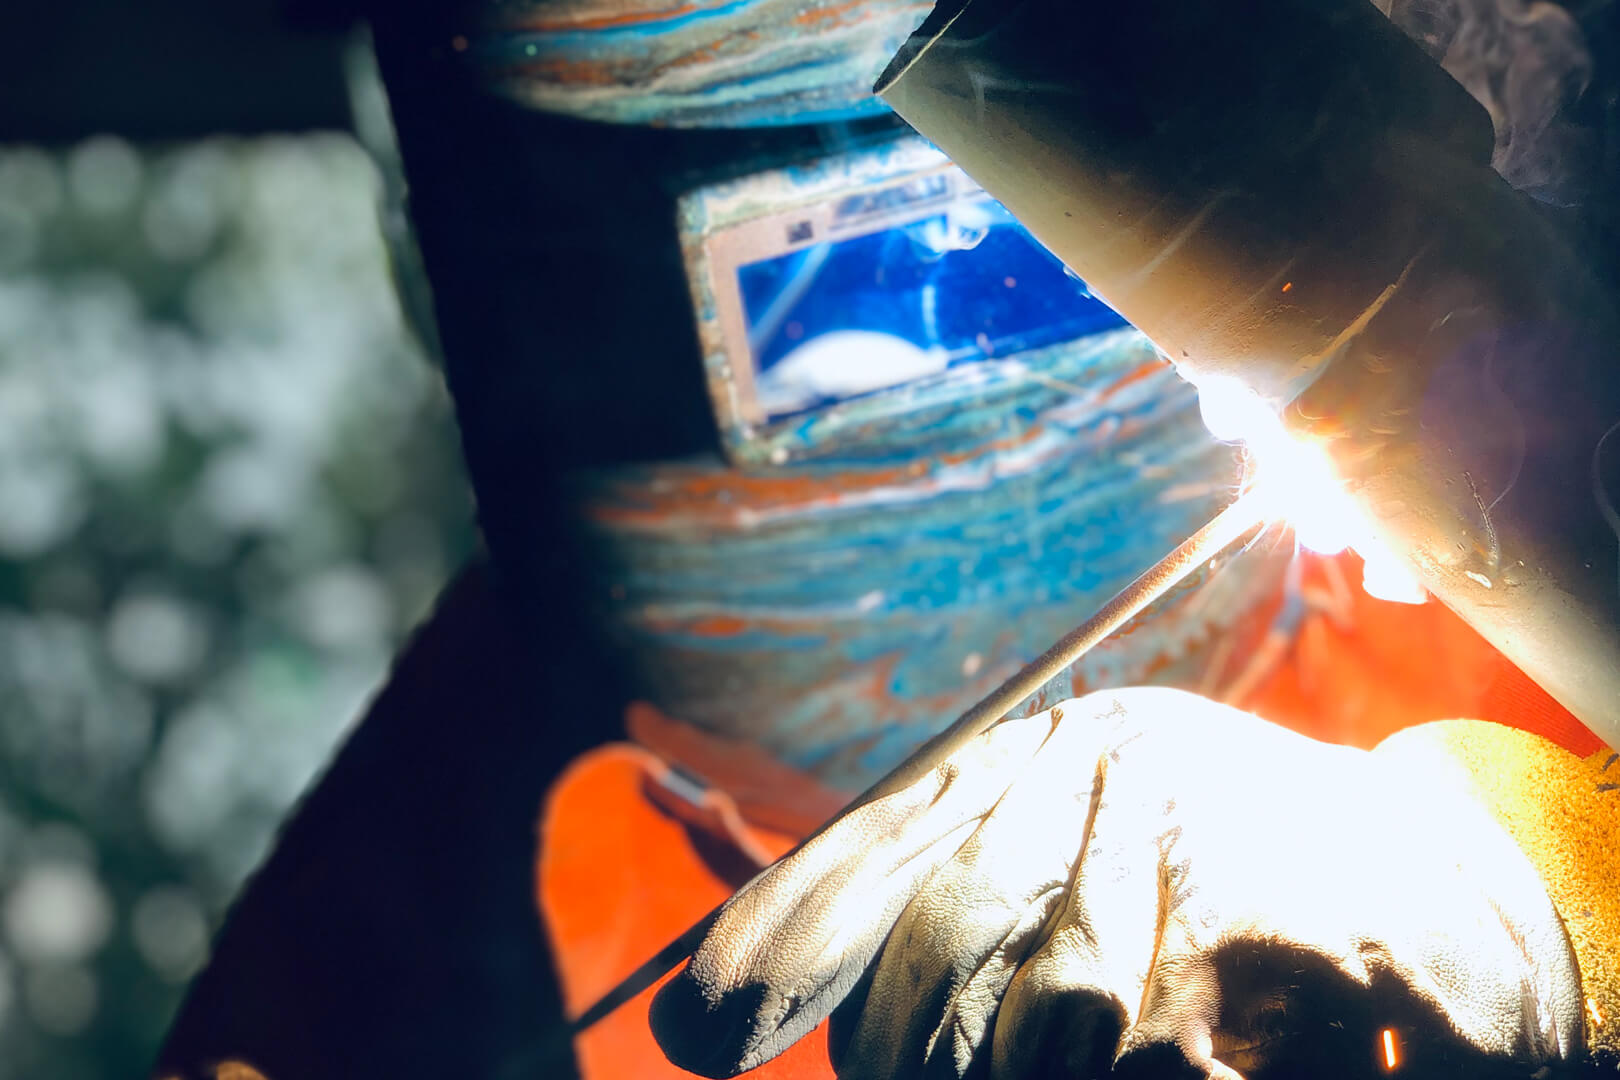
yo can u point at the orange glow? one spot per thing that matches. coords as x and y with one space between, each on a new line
1594 1013
1391 1059
1287 285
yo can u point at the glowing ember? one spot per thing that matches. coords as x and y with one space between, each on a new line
1297 480
1391 1060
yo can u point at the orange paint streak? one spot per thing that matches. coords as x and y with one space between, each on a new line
703 54
573 72
1140 374
753 490
611 20
725 495
765 490
790 625
603 22
718 626
816 15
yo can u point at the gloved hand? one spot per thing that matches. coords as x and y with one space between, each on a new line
1151 882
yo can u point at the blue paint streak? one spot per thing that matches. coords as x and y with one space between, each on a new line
571 41
849 624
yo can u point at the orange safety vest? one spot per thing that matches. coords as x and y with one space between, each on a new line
633 848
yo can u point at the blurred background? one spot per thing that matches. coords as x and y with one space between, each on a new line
229 482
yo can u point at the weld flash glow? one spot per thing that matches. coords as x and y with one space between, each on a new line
1298 485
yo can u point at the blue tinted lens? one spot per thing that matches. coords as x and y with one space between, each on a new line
847 317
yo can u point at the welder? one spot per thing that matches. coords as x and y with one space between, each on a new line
812 515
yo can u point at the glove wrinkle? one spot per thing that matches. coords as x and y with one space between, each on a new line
947 964
844 1020
1070 1032
986 985
1182 1008
807 928
1087 980
970 1004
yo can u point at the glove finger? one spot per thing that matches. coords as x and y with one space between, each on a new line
947 963
1066 1007
789 945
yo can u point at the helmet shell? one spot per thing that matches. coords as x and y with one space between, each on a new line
692 63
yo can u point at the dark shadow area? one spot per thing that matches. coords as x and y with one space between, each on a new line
394 932
1289 1012
170 69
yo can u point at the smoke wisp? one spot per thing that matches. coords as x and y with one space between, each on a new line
1526 61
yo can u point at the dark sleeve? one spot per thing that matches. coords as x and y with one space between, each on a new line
393 931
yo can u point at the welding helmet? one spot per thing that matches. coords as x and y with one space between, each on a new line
820 442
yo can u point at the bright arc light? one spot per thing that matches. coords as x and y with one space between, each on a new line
1296 481
1293 477
1385 577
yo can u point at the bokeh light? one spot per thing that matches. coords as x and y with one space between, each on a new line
231 485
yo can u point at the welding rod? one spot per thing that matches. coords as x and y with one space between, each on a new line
1243 515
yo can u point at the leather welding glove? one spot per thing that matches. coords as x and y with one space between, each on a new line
1151 883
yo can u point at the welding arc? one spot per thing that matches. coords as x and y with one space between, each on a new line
1242 516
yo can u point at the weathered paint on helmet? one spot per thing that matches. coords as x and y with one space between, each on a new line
692 63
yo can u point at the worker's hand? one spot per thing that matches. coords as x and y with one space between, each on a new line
1148 881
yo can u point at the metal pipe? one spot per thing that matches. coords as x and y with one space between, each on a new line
1234 523
1292 194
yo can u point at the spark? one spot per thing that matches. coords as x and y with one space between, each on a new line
1594 1013
1297 482
1391 1059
